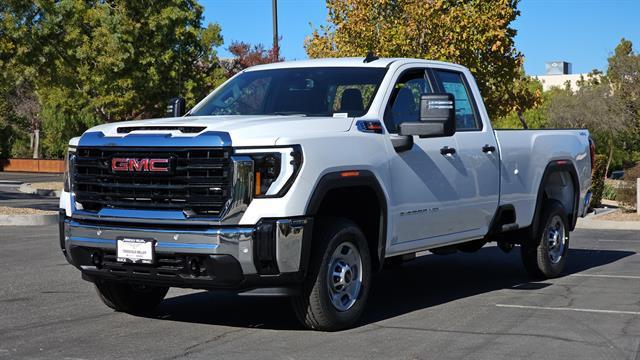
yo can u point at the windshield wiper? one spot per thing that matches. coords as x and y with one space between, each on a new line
286 113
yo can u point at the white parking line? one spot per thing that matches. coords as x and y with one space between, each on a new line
597 311
608 276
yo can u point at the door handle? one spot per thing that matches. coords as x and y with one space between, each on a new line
488 148
447 151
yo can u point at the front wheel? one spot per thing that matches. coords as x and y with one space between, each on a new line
337 286
545 254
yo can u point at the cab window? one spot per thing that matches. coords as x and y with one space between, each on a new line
452 82
404 104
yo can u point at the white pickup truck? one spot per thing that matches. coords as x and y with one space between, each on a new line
303 178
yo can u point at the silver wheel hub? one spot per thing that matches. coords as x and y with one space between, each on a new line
556 239
344 276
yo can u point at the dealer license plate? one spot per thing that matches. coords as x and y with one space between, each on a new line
139 251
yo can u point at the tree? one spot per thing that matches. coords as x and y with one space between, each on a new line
474 33
109 60
593 106
245 55
624 76
525 93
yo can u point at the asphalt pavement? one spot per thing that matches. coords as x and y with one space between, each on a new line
11 197
463 306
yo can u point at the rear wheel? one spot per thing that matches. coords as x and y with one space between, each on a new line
337 286
545 255
134 299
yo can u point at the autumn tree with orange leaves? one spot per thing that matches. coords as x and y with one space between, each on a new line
474 33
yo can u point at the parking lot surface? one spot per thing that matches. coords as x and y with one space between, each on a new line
463 306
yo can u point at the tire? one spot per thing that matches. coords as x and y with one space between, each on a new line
336 242
545 254
133 299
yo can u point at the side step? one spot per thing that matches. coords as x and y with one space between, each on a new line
271 291
509 227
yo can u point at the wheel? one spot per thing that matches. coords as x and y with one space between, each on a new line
134 299
337 285
545 254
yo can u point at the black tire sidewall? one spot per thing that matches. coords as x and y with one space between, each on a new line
354 236
331 233
548 268
535 252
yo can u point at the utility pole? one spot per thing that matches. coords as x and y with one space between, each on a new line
276 46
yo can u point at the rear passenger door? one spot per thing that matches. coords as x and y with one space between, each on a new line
476 161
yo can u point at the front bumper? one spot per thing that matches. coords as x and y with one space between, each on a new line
272 253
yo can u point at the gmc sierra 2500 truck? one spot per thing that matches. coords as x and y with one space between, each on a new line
303 178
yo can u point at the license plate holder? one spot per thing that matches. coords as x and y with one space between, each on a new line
135 250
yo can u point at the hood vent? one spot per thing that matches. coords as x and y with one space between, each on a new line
183 129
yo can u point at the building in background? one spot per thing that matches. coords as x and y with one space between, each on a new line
557 74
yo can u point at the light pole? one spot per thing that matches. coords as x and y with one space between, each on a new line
276 47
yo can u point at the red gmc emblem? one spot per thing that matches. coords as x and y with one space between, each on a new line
140 165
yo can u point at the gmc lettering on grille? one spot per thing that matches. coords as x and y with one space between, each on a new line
140 165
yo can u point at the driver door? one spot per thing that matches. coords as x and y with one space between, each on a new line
423 194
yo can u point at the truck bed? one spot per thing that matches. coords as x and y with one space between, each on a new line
525 154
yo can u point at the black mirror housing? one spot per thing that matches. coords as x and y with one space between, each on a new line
176 107
437 117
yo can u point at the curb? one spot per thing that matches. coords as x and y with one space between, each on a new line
607 225
28 189
28 220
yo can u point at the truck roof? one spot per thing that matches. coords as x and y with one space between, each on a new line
349 62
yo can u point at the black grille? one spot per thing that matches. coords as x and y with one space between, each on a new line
198 182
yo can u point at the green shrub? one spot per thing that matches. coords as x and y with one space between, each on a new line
597 180
610 192
627 193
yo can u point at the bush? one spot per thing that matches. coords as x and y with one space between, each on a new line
597 180
610 191
627 193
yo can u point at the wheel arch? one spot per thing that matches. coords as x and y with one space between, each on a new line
357 196
560 182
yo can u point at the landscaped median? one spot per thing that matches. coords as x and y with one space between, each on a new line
12 216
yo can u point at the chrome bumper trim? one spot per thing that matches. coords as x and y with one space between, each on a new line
236 241
289 244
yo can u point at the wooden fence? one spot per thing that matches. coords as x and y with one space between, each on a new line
32 165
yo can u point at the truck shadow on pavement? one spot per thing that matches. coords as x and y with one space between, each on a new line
425 282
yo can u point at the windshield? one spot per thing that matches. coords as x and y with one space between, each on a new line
297 91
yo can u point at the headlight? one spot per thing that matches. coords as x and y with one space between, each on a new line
68 159
274 169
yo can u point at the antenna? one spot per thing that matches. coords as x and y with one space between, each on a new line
370 57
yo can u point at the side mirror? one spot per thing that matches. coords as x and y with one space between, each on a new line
437 117
176 107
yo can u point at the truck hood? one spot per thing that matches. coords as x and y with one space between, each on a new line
244 130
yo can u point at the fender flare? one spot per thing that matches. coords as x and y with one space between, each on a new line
366 178
552 167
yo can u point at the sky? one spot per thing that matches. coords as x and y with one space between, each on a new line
582 32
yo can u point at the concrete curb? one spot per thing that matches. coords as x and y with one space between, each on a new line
28 189
10 182
28 220
589 223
